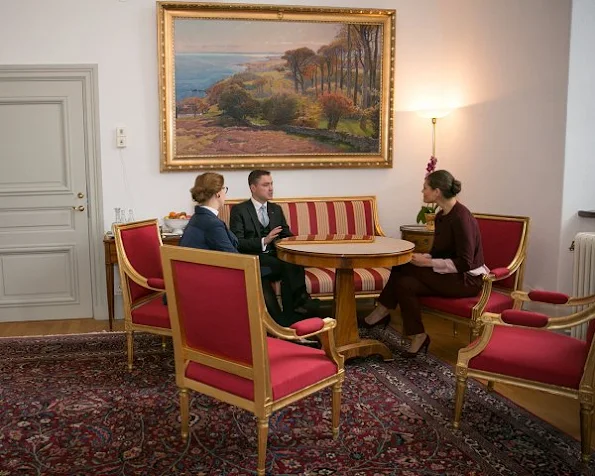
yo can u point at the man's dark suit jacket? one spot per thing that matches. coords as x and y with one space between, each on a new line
208 232
244 224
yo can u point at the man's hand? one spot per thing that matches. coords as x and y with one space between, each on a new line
421 260
272 235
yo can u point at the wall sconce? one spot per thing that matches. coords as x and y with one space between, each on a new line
434 114
427 212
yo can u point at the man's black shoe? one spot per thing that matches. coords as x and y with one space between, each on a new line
310 307
311 342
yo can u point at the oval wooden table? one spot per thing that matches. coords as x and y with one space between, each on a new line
344 256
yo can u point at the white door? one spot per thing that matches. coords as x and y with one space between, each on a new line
45 263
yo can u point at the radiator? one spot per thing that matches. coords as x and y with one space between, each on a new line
583 282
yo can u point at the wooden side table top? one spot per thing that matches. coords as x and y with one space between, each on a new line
420 235
420 229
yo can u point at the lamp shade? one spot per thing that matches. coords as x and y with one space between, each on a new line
434 113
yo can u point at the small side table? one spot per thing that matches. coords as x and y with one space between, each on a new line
419 235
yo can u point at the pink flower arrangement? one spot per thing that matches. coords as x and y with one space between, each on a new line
428 207
431 165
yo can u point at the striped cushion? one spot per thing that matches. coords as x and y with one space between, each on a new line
319 281
337 216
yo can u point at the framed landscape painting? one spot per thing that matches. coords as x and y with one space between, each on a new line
246 86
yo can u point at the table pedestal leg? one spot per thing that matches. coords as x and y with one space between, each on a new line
346 333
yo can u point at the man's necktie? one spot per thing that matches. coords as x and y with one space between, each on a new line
263 216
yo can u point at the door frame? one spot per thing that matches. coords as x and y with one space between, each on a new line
87 75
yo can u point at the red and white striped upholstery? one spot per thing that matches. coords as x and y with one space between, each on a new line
332 215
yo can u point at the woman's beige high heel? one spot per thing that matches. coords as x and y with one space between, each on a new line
424 347
378 315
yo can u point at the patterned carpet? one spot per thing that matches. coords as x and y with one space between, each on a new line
68 406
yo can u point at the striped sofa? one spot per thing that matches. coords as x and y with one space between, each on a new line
332 215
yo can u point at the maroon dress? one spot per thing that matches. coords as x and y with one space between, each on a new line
457 238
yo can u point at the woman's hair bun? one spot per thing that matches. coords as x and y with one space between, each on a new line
455 188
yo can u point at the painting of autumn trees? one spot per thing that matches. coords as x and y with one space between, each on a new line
321 101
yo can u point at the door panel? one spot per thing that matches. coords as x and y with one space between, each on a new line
44 238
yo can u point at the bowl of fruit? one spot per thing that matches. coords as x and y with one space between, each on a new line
176 222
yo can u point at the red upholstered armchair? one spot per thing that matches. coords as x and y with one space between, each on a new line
504 239
220 324
517 347
141 279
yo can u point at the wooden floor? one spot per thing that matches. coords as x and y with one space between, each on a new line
559 411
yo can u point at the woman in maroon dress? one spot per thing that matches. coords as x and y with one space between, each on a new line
453 268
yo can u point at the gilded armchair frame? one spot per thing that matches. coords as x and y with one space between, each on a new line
261 323
490 281
127 270
586 390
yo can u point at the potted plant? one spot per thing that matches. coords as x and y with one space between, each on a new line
427 212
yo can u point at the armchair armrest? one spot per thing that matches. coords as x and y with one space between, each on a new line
499 274
301 329
156 283
549 297
524 318
536 320
308 326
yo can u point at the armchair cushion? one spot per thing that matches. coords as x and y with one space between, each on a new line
524 318
152 313
533 357
307 326
292 368
463 307
548 296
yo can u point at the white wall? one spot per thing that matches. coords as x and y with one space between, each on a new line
579 166
504 62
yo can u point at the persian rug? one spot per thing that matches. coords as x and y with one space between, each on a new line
68 406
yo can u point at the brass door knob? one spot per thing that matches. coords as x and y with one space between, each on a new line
80 208
80 195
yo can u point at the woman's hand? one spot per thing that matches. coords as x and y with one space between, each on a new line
421 260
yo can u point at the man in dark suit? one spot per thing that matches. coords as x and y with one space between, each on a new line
258 223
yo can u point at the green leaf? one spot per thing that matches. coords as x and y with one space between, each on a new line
421 216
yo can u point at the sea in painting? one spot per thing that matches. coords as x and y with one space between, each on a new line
197 72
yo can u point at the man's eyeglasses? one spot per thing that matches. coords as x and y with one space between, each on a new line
224 189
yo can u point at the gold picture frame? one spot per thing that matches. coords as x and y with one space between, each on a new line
247 86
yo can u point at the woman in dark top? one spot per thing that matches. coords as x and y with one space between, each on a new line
207 231
453 268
